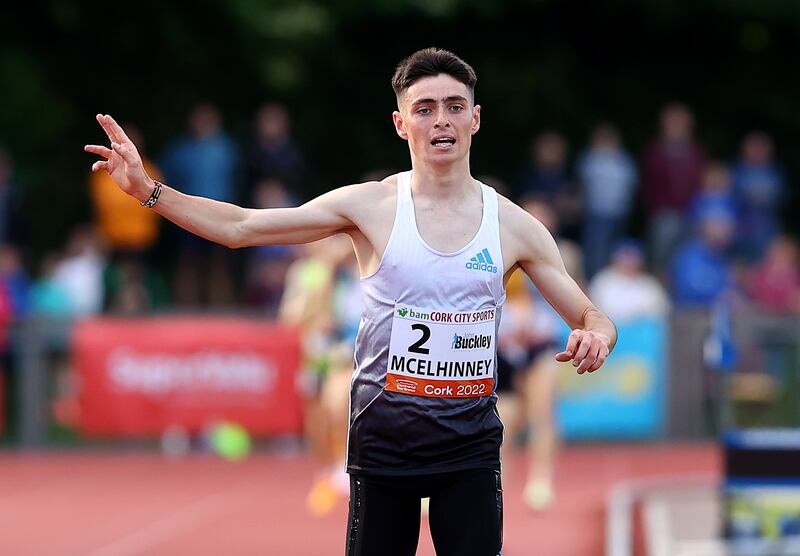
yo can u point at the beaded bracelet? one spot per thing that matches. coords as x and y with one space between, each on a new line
154 196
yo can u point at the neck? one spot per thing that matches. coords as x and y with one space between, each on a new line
445 180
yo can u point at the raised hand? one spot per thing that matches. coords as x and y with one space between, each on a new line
587 350
121 161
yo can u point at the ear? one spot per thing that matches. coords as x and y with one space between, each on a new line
399 125
476 119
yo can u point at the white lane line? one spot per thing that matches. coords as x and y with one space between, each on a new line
657 526
175 523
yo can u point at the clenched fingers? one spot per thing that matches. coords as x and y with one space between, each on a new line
595 356
601 358
589 358
587 351
584 347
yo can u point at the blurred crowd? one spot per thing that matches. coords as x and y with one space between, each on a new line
713 224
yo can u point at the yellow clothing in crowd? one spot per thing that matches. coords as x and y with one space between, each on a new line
120 217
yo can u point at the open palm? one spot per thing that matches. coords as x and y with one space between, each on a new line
121 161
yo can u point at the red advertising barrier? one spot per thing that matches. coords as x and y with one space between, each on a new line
139 376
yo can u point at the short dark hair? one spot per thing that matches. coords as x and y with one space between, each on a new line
430 62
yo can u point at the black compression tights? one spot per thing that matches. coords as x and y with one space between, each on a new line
466 514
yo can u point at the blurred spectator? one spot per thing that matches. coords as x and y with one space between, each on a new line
268 265
671 174
203 163
775 281
608 177
701 271
272 193
760 188
570 251
546 179
14 225
123 222
15 280
133 288
494 182
624 291
274 155
49 297
6 317
6 388
715 195
80 272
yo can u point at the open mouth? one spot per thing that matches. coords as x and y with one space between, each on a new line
443 142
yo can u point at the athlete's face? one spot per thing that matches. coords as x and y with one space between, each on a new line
438 119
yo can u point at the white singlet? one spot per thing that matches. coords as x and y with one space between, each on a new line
422 397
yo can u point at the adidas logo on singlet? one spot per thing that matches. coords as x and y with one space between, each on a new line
482 261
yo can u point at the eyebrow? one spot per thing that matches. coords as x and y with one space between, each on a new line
453 98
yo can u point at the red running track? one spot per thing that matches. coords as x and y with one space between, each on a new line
101 504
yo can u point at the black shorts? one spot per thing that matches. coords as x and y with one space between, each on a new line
507 372
466 513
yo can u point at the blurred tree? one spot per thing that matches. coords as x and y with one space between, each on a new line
541 63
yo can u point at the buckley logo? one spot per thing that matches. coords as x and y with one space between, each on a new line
471 341
482 261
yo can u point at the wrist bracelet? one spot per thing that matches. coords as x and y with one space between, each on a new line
154 196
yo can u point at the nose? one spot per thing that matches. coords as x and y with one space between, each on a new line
441 119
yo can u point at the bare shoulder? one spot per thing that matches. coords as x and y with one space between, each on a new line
371 207
355 201
366 200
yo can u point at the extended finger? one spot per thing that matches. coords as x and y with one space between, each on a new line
105 152
100 165
120 135
101 119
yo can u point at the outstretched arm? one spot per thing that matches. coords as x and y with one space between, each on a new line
220 222
533 248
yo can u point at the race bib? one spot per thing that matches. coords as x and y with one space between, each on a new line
441 354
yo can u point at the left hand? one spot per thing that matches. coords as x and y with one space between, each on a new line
587 350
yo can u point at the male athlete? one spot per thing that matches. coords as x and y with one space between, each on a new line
434 248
